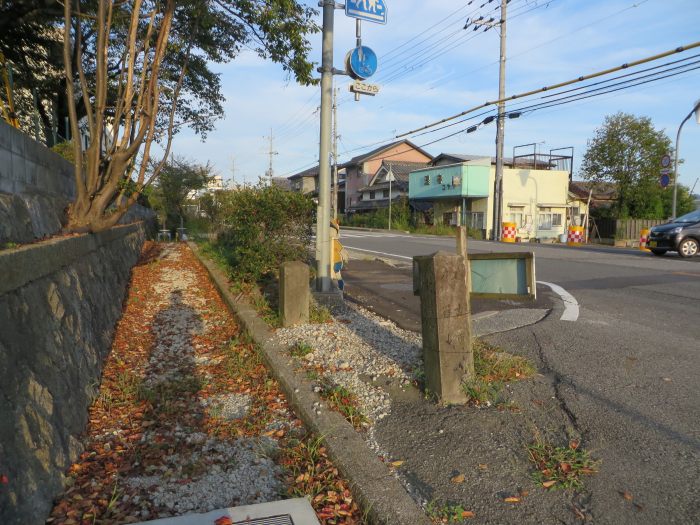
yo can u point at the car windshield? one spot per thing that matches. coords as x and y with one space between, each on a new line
693 216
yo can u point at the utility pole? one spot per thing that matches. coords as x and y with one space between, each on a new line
500 132
323 246
335 154
272 153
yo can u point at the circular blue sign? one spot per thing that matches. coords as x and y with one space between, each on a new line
362 63
665 180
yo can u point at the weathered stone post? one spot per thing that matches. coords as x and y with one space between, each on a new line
294 293
442 281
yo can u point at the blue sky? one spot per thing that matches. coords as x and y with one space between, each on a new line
559 40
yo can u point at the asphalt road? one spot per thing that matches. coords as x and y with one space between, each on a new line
622 377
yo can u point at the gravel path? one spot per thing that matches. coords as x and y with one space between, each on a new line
188 418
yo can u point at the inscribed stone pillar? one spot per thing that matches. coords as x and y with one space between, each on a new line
294 293
442 281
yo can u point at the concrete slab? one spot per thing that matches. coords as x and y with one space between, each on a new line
286 512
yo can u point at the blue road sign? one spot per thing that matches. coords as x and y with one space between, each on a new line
664 181
362 63
370 10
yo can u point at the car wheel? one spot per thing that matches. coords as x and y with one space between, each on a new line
688 248
659 252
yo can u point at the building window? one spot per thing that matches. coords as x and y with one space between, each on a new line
439 179
371 195
476 220
516 216
426 180
385 194
548 221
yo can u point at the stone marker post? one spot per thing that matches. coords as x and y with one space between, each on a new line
294 293
442 282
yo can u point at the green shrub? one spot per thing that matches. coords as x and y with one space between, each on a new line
262 228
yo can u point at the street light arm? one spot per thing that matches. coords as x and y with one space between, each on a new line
675 158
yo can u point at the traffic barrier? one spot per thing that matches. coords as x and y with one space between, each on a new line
509 232
576 236
644 240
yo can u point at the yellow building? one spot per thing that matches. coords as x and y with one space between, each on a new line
536 200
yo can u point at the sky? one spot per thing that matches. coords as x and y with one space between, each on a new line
430 68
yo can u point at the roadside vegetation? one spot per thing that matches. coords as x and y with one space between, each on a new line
492 370
560 467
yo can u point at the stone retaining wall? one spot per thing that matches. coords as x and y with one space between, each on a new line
59 303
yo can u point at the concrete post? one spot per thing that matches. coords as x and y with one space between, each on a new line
442 281
294 293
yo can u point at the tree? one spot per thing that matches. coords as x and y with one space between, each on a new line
139 71
627 151
177 180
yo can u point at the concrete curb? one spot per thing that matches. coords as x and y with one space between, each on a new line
380 494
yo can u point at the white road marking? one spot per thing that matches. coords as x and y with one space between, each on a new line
379 253
571 309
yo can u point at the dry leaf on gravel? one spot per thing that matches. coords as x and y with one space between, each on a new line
458 479
512 499
223 520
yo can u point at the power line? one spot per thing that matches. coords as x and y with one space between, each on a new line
556 86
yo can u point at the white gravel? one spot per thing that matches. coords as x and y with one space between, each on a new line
237 473
356 349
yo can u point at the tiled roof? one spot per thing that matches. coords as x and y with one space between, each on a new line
377 151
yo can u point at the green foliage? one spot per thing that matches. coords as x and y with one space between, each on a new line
442 512
319 314
560 467
345 402
627 151
177 179
263 227
492 369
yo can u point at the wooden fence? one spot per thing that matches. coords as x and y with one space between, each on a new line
624 228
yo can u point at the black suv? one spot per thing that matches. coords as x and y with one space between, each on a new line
682 236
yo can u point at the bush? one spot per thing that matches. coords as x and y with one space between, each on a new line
262 228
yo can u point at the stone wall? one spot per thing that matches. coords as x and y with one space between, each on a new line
36 186
59 302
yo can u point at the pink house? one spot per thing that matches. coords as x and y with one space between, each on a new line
361 169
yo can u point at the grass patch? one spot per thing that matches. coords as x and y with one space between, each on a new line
319 314
492 370
441 512
560 467
344 401
301 350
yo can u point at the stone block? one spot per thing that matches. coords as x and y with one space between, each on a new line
294 293
444 291
442 281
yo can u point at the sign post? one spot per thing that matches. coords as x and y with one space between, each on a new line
390 177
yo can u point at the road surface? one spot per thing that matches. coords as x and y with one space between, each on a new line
624 372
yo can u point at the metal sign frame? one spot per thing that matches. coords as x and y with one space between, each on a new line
531 283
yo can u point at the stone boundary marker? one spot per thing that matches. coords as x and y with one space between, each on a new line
381 496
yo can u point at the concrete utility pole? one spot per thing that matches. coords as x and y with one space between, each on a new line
696 110
272 153
500 132
323 245
335 153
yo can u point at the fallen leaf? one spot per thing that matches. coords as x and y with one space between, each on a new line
524 493
4 479
512 499
549 483
573 444
626 495
483 466
224 520
458 479
565 467
396 463
468 514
